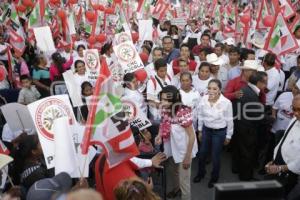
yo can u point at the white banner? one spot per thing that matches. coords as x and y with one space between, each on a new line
179 22
44 39
145 30
74 89
128 57
92 64
43 113
17 117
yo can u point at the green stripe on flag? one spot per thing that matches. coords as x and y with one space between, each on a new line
113 101
33 18
275 39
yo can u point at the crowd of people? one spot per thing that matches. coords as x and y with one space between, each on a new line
202 92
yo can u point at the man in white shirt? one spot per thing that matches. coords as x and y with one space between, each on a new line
273 78
192 37
154 86
157 53
233 66
217 71
219 50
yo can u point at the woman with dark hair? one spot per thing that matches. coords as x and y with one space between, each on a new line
174 33
80 72
86 93
190 96
79 56
41 76
178 135
215 126
107 52
29 159
131 92
59 66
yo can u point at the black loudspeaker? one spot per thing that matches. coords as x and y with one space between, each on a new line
260 190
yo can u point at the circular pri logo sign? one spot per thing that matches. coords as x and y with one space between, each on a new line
47 112
129 108
91 60
123 37
116 72
126 52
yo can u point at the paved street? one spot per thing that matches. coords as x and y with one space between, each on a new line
200 191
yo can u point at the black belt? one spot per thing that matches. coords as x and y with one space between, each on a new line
212 129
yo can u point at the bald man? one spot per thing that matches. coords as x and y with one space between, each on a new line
285 166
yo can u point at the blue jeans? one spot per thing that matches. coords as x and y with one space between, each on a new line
212 141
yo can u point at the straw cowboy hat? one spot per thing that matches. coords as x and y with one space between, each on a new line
213 59
251 65
229 41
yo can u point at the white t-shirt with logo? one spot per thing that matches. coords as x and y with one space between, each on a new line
283 105
201 85
191 99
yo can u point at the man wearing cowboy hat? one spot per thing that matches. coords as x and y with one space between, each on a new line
217 71
233 89
249 115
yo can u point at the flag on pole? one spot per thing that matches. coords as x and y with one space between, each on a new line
122 25
280 40
217 18
295 23
263 11
37 15
106 122
16 32
286 9
230 20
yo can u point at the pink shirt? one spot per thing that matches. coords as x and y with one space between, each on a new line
54 71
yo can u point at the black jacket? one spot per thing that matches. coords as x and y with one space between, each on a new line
248 110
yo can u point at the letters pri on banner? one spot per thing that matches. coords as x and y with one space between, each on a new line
43 113
128 57
92 61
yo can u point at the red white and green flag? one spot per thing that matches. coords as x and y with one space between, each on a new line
263 11
280 40
217 18
286 9
295 23
37 15
230 20
3 149
16 32
107 125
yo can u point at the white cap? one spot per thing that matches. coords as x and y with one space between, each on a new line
258 42
261 68
229 41
213 59
251 64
